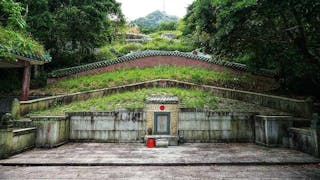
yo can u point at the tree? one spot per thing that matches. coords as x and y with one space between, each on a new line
168 26
200 22
10 15
72 29
283 35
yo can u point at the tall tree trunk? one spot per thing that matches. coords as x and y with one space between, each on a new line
301 41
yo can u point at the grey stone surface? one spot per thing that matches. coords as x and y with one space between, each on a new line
122 126
216 126
156 172
164 143
139 154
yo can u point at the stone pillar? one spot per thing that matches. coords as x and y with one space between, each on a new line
15 109
315 134
6 136
26 81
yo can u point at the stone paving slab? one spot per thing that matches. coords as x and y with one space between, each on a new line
156 172
137 154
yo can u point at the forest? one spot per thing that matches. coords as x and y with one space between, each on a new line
280 35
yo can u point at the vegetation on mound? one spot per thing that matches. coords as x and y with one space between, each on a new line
188 98
129 76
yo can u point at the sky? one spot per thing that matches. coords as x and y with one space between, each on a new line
134 9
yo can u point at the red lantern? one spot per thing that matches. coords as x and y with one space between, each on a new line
162 107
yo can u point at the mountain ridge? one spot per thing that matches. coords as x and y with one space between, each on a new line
154 19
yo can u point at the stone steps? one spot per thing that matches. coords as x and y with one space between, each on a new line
172 140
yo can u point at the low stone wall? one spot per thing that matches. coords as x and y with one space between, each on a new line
301 139
273 131
122 126
13 141
300 108
195 126
23 139
51 130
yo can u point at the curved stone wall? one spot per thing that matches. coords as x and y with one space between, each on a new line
153 58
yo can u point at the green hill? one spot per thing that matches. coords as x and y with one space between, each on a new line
154 19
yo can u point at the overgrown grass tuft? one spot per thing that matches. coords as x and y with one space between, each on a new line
188 98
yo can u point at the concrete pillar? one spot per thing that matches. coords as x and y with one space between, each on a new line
26 81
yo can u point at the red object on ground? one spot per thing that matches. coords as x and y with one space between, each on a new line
151 142
162 107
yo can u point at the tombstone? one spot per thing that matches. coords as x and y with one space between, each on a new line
162 118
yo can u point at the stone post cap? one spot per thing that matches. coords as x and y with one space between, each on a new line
6 121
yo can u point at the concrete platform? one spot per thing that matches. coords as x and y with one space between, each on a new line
156 172
134 154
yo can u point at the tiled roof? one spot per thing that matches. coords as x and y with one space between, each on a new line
149 53
45 58
163 99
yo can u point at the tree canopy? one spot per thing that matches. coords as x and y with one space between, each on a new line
283 35
72 29
13 38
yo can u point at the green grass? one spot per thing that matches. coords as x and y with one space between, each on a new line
12 40
129 76
188 98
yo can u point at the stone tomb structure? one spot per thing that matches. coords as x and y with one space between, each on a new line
162 118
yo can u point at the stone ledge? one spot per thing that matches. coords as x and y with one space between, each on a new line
302 108
17 132
305 131
173 140
47 118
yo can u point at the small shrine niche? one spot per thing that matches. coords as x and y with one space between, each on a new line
162 118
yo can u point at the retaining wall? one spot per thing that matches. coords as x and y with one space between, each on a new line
151 58
216 126
122 126
23 139
273 131
301 139
300 108
13 141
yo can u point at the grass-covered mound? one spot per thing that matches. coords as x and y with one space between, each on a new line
129 76
188 98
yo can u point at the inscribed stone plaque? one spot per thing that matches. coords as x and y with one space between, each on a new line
162 123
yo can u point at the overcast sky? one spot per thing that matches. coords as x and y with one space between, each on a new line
134 9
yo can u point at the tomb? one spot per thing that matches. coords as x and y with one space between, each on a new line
162 118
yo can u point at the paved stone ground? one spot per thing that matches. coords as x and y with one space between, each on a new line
135 161
138 154
161 172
